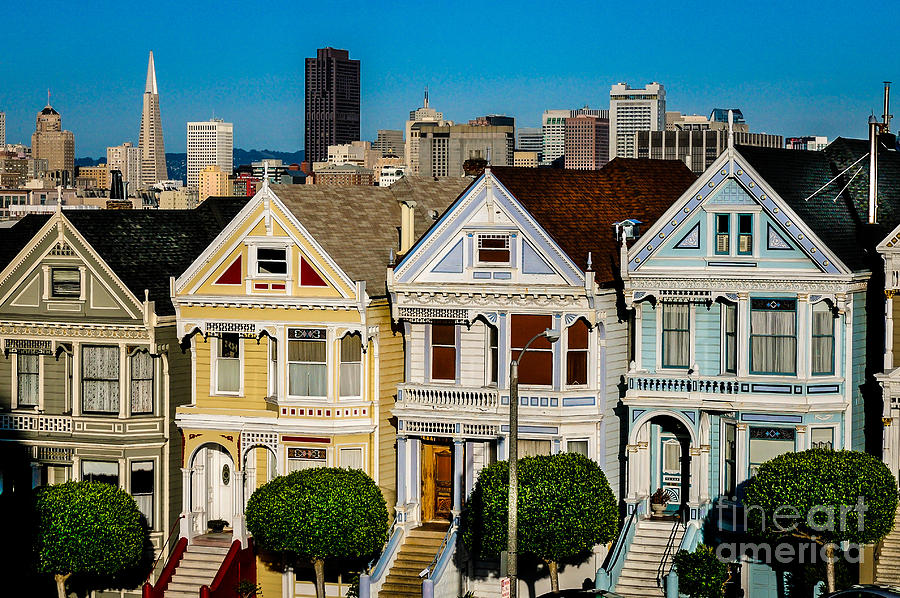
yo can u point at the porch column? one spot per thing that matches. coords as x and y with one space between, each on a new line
186 525
741 457
401 471
415 480
458 475
238 523
696 475
631 482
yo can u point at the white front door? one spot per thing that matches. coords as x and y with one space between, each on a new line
213 487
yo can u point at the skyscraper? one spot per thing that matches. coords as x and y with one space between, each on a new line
209 143
633 110
587 142
2 129
49 142
553 131
332 102
425 114
127 160
153 152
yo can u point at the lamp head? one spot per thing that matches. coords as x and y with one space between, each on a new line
551 334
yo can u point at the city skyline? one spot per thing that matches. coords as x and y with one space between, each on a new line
257 81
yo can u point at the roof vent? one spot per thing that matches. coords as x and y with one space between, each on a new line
434 214
629 229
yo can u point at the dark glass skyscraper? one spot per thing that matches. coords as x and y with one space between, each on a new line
332 102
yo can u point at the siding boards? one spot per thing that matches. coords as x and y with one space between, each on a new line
417 353
707 338
472 354
610 392
6 382
390 356
858 357
55 383
648 337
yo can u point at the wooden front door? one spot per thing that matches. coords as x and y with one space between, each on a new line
437 482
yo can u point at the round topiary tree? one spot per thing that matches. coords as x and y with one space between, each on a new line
86 528
318 514
566 507
700 573
823 496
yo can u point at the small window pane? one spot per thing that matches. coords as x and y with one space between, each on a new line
66 282
141 383
271 260
493 249
351 458
351 357
142 488
28 379
577 446
106 472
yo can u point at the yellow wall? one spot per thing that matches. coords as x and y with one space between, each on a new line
390 358
255 385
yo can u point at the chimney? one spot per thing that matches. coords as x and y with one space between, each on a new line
873 168
407 225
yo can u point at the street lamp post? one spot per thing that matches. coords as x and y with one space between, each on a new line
512 564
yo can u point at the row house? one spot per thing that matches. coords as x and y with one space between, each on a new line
294 361
520 251
91 371
757 332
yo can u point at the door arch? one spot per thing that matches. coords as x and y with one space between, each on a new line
660 456
212 484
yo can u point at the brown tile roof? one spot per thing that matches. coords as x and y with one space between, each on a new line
358 225
578 208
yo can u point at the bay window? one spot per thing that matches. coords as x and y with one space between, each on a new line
351 360
493 354
822 339
307 363
676 335
773 336
729 459
228 363
141 383
142 483
100 379
443 351
106 472
729 346
577 354
28 376
537 366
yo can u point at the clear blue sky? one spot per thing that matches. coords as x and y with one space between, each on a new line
794 68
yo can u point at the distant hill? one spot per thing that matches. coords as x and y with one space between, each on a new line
176 163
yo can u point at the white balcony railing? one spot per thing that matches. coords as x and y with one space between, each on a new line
451 397
36 422
682 384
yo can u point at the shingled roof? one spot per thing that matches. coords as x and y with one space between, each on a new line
358 225
578 208
143 247
839 218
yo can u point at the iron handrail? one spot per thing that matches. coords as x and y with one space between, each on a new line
387 541
670 545
621 543
162 549
433 565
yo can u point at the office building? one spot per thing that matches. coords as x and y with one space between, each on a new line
444 149
586 142
422 115
209 143
526 159
94 177
632 110
356 152
810 142
717 120
178 199
150 141
553 131
126 158
212 181
50 142
389 163
273 166
493 120
344 175
389 142
332 102
388 174
530 139
698 149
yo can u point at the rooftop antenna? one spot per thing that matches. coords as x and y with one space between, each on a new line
48 96
886 117
426 96
874 125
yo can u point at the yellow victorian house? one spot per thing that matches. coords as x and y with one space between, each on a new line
294 362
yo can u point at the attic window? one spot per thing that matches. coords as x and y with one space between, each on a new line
271 260
493 249
65 282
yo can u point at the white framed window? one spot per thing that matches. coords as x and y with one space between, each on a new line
28 379
272 261
307 363
821 438
106 472
228 363
65 283
141 383
676 335
579 446
494 248
142 485
822 349
100 379
728 451
351 458
729 341
351 366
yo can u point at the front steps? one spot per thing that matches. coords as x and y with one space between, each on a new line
199 565
887 566
638 578
417 552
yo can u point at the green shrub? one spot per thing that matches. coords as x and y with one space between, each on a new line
700 573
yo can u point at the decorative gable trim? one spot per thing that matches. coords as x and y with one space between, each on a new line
774 240
232 274
691 240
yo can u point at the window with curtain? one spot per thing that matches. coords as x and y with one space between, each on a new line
228 363
493 354
745 234
577 354
577 446
351 360
822 339
729 457
141 383
822 438
443 351
106 472
100 379
537 365
723 234
307 368
533 448
142 488
729 326
768 443
351 458
28 377
773 336
676 335
65 282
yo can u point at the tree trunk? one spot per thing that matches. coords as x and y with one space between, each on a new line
553 566
61 584
829 566
319 567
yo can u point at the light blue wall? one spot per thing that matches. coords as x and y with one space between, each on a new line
714 451
648 337
707 338
857 430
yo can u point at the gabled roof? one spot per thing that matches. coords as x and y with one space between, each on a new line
578 208
358 225
143 247
839 218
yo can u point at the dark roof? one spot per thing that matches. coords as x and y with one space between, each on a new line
48 110
578 208
358 225
839 218
143 247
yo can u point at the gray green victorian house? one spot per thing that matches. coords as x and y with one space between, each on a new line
91 371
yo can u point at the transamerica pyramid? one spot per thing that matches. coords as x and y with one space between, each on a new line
153 152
